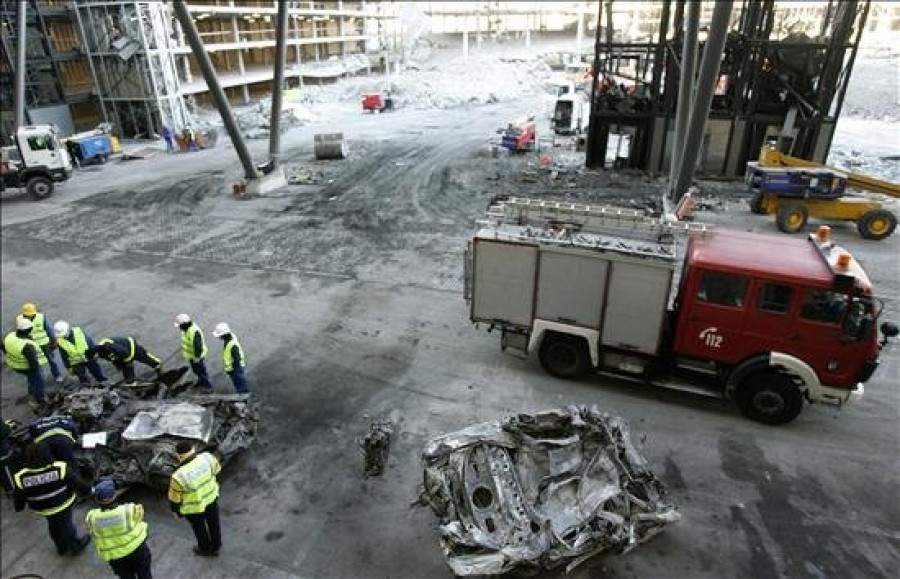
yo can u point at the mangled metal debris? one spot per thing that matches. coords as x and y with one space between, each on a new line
376 445
541 491
143 424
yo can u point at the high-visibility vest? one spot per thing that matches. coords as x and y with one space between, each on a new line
76 348
198 483
130 344
187 343
38 332
114 531
228 356
46 490
15 351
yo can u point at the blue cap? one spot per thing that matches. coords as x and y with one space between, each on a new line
105 490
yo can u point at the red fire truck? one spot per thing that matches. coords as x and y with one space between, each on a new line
766 321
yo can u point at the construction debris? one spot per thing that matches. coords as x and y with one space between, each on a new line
141 425
376 445
299 175
538 491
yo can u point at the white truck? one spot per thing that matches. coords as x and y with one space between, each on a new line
570 113
766 321
35 162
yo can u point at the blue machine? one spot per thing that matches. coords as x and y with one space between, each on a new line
87 147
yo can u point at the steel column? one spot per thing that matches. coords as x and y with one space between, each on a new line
278 83
22 30
706 83
215 89
594 136
686 85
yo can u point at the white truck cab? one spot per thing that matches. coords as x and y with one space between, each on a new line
37 160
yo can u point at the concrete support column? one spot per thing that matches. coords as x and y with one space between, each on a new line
278 82
215 89
686 85
21 31
579 31
706 84
245 90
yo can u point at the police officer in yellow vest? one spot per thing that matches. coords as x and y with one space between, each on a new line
48 488
119 533
193 347
23 355
194 495
43 336
232 357
74 344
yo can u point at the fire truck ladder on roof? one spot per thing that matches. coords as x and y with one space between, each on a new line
588 218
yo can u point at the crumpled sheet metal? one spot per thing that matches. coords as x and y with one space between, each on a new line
541 491
183 419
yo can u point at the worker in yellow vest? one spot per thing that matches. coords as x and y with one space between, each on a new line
193 348
194 495
74 344
23 355
232 357
48 488
119 533
43 336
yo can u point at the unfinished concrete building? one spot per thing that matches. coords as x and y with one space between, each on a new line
129 63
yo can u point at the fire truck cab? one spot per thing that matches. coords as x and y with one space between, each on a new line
784 319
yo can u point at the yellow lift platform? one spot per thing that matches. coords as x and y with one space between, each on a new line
796 189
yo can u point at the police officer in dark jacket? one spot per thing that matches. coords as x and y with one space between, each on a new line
48 488
10 455
59 434
122 353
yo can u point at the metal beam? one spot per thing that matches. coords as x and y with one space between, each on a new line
706 84
22 30
593 146
278 83
686 85
215 90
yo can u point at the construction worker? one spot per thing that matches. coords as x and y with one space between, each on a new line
193 347
119 533
23 355
194 495
122 353
59 434
48 488
73 346
43 336
232 357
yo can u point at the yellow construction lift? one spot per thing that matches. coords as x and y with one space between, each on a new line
796 189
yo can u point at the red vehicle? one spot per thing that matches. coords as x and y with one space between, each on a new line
377 102
519 135
766 321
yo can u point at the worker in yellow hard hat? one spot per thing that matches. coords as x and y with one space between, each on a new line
42 335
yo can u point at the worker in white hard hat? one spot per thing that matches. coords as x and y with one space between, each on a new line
233 358
42 335
74 344
193 348
23 355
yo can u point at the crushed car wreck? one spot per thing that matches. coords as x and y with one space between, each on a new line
540 491
130 432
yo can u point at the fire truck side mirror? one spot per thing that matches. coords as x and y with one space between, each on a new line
888 330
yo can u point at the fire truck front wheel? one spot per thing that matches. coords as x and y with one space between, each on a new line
564 356
769 397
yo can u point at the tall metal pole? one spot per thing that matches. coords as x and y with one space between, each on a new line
22 30
686 85
215 89
278 83
706 84
593 148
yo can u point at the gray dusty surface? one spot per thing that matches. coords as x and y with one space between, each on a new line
346 295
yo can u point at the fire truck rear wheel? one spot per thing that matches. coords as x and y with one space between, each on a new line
877 224
769 397
792 218
564 356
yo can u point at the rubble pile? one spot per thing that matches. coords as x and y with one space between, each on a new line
541 491
143 424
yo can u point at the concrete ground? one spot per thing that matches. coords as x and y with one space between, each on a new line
347 297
